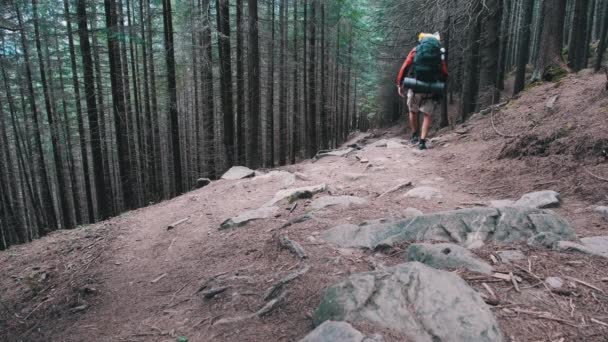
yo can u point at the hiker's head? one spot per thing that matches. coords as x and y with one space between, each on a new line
423 35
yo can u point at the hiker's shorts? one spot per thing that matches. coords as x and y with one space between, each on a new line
423 103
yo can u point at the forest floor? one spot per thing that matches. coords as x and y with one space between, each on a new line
132 279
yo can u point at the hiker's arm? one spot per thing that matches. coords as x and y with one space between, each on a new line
409 61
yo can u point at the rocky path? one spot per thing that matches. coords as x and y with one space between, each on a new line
374 242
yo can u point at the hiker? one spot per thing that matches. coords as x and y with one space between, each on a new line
426 64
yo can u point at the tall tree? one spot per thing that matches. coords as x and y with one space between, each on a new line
118 105
599 59
283 84
223 25
524 42
578 36
295 121
84 159
172 88
550 62
253 66
312 82
470 83
240 87
94 129
207 90
66 218
269 129
47 199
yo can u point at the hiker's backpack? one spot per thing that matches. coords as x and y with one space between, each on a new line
427 61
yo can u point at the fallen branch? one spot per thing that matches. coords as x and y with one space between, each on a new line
157 279
299 219
177 223
599 322
265 310
396 188
514 281
595 176
292 246
274 290
489 289
587 284
545 315
208 294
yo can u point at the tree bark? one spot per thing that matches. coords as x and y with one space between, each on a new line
550 62
524 42
223 24
254 86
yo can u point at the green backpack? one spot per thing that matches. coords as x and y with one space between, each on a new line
427 62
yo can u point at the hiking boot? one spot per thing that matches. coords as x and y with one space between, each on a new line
422 144
415 138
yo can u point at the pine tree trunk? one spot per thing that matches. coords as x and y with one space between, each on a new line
578 39
92 113
207 90
283 85
550 62
223 25
269 146
172 89
312 82
470 84
154 124
254 86
504 40
490 53
241 157
51 219
524 42
296 124
324 134
599 59
90 215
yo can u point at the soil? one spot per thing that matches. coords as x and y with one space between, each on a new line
132 279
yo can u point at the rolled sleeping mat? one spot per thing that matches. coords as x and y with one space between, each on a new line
423 87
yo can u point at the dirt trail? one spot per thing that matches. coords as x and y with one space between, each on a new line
131 279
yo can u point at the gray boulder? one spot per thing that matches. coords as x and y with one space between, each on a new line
202 182
446 256
596 245
343 201
510 256
331 331
470 228
424 192
539 200
333 153
602 210
295 194
423 303
248 216
238 172
501 203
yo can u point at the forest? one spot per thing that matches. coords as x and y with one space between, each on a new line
111 106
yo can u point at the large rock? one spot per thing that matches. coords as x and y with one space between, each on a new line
446 256
295 194
424 192
602 210
333 153
423 303
238 172
539 200
471 228
331 331
343 201
597 245
248 216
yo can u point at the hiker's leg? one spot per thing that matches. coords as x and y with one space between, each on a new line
414 122
426 125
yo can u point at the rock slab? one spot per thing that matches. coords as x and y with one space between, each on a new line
238 172
539 200
248 216
331 331
446 256
295 194
424 192
343 201
470 228
423 303
597 245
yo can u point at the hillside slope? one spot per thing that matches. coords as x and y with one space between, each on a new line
132 279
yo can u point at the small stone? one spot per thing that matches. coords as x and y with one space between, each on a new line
238 172
550 106
510 256
352 177
602 210
424 192
343 201
554 282
364 160
295 194
202 182
501 203
248 216
539 200
79 308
